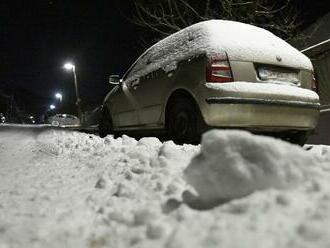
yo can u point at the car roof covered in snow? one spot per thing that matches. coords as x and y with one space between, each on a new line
241 42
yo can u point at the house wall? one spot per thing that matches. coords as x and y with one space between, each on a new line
321 134
321 65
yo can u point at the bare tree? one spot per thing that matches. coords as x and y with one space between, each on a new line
164 17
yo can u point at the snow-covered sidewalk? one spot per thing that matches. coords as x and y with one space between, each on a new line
70 189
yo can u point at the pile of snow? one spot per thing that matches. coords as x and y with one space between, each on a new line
246 163
69 189
241 42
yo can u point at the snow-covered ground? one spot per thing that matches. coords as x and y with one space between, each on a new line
68 189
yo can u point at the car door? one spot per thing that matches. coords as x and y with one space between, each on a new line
121 107
124 104
149 95
148 89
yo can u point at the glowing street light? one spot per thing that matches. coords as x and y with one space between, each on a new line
69 67
59 96
52 106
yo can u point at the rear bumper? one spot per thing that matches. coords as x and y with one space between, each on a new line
236 100
260 114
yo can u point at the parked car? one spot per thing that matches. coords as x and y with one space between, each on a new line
63 120
215 74
27 119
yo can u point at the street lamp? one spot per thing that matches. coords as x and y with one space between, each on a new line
59 96
52 107
69 67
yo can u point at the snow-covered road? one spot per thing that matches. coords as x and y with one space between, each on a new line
69 189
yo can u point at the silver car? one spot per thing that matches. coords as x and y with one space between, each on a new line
63 120
215 74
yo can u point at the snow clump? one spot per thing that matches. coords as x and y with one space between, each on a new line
233 164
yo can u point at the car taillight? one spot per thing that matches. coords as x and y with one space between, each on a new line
218 69
314 83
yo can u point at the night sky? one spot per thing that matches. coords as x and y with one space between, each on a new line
38 37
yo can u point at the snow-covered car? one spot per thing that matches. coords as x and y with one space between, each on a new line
220 74
63 120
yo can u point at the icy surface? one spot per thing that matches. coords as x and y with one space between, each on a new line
269 89
69 189
242 42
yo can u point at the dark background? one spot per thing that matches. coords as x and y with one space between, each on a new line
38 37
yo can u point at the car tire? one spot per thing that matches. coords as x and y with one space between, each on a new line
184 118
299 138
105 123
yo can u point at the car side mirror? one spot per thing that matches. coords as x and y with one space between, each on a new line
114 79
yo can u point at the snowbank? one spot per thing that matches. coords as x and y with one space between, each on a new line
233 164
69 189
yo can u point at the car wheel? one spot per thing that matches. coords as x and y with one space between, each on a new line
105 123
183 121
299 138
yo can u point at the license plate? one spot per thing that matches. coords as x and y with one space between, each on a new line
271 74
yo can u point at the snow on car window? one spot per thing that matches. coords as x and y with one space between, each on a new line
181 45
